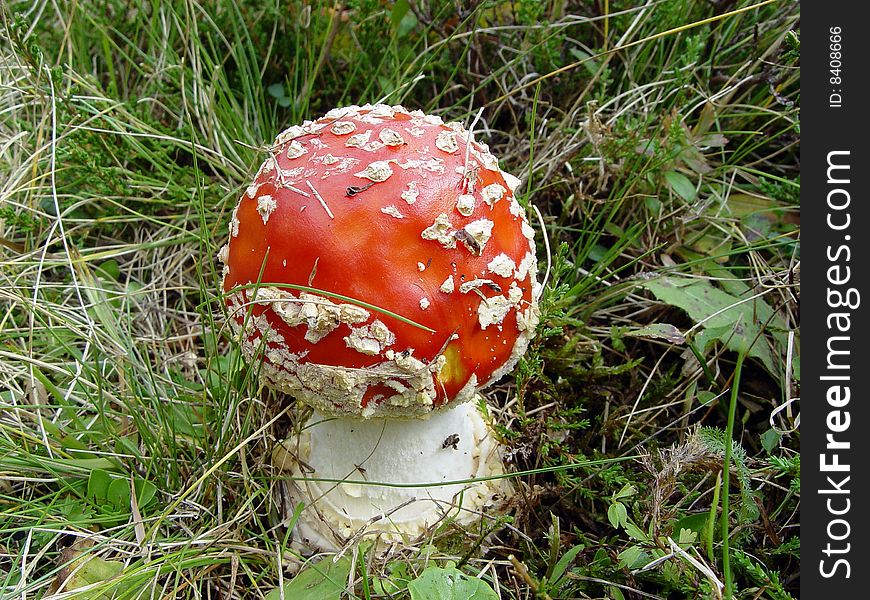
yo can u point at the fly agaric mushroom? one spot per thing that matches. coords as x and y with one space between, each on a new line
381 269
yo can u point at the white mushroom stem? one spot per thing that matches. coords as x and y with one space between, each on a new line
392 479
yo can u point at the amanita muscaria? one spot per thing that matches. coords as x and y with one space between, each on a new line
381 270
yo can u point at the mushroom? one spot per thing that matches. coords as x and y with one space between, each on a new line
380 270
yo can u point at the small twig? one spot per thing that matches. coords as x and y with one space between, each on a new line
412 82
313 273
353 539
298 191
320 199
469 136
523 572
283 181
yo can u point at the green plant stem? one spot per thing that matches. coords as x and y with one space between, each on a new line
729 437
711 521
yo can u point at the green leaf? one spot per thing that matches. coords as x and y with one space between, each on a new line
325 580
75 511
276 90
409 21
396 581
617 514
740 336
687 536
653 205
695 522
110 269
614 229
402 19
400 9
90 570
635 532
449 583
98 486
564 562
770 440
681 185
627 491
598 253
633 557
589 63
663 331
724 317
118 494
114 493
145 492
705 396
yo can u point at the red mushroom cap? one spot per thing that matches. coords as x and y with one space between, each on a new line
380 213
